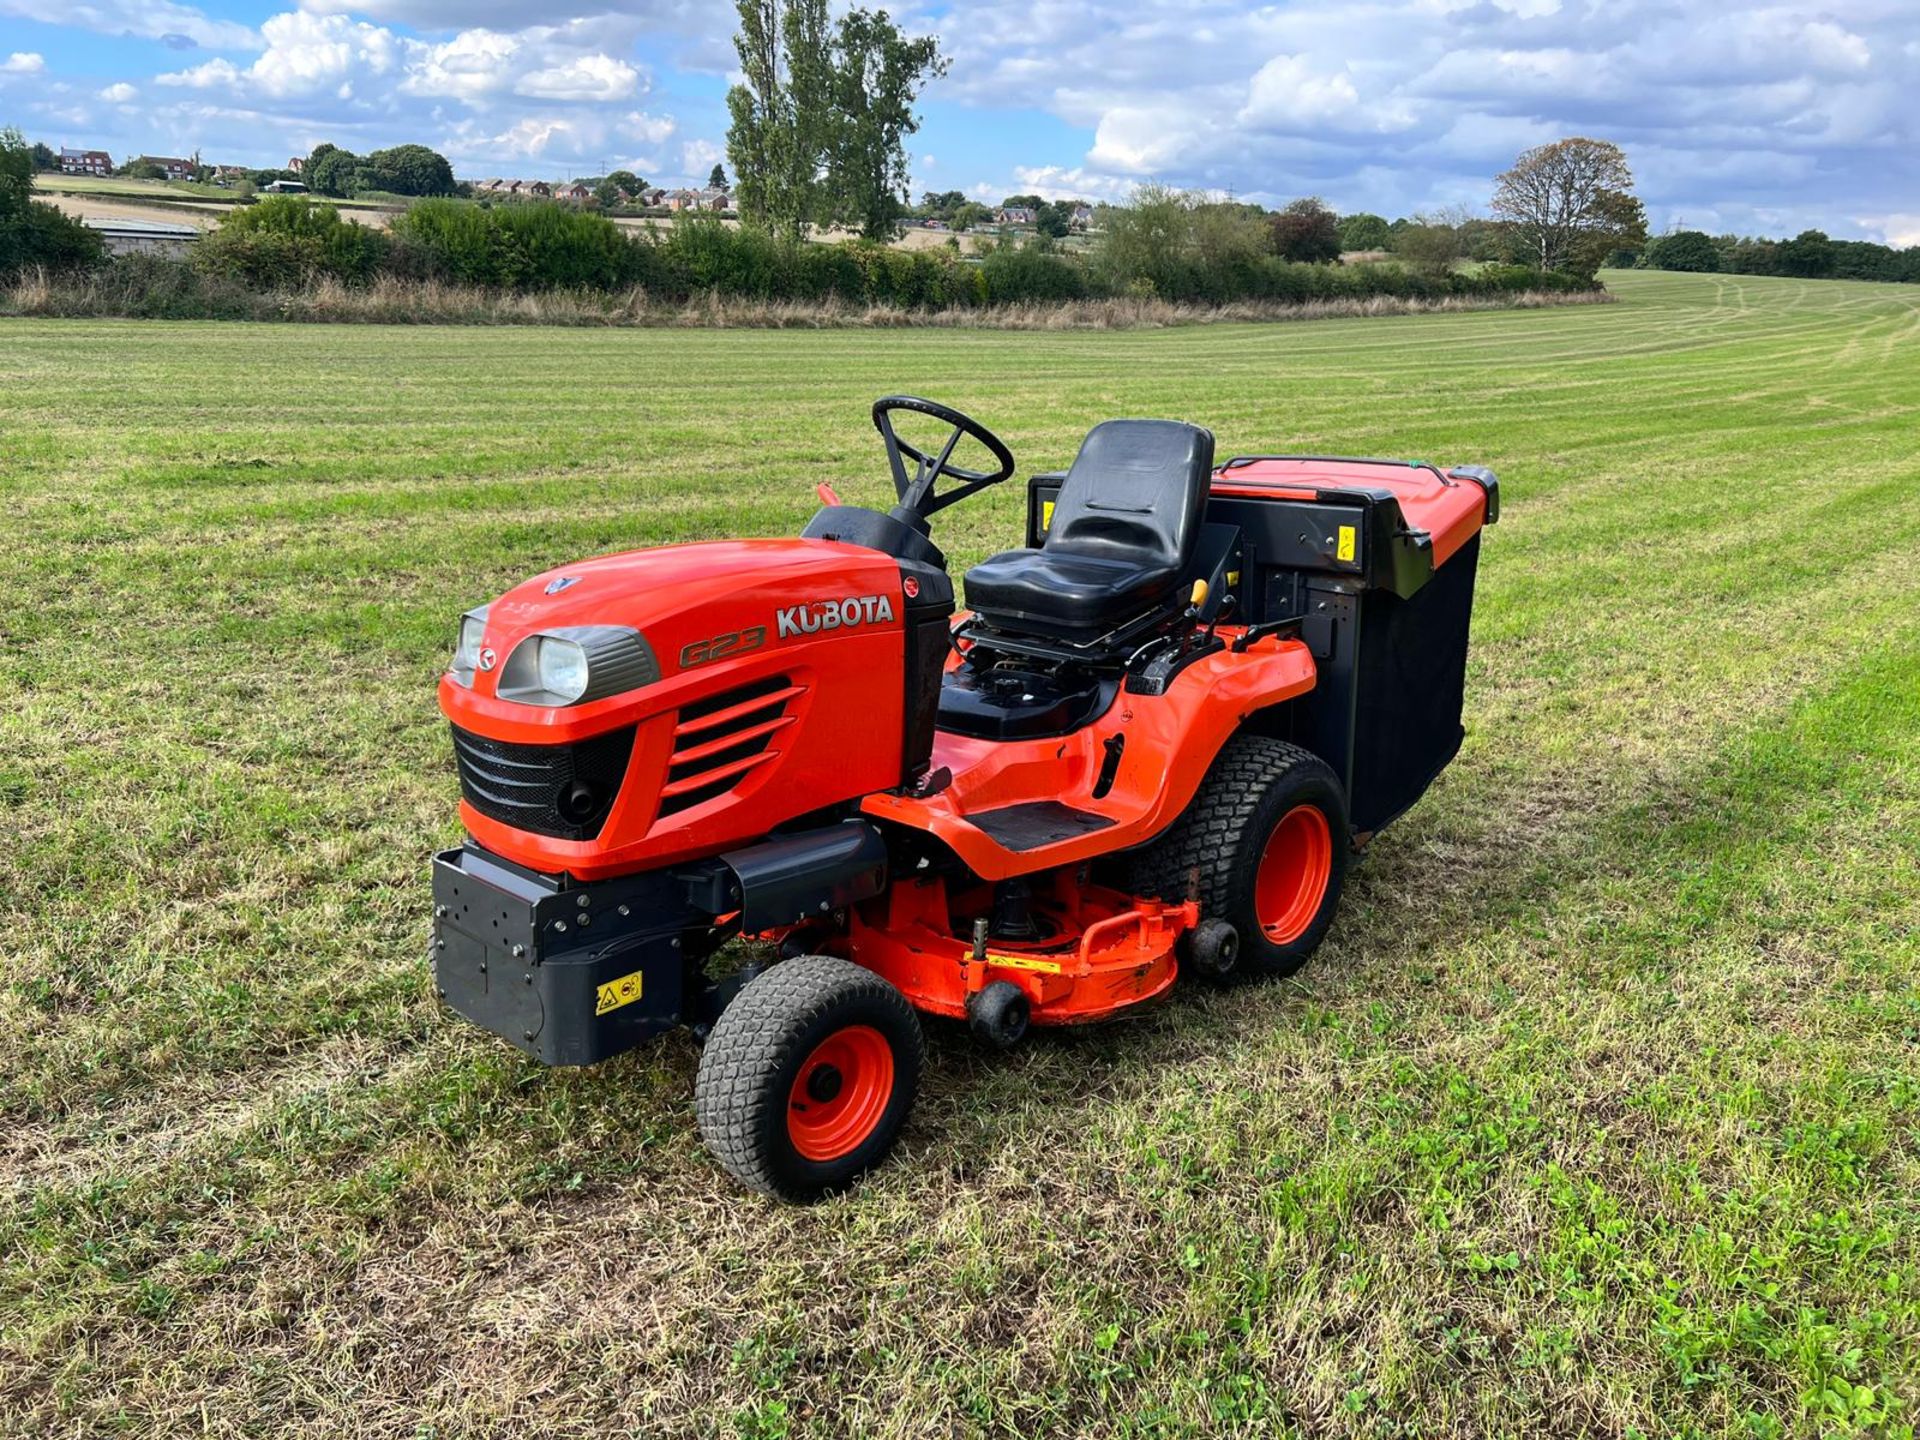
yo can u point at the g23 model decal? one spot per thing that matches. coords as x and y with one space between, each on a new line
719 647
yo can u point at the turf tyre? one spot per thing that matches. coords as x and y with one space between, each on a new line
1213 853
768 1041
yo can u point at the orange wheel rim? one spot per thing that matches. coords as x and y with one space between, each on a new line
1294 871
840 1093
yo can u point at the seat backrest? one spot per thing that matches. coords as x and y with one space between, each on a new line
1135 493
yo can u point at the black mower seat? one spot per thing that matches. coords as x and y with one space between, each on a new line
1123 531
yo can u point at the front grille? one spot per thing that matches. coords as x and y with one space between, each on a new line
564 791
716 741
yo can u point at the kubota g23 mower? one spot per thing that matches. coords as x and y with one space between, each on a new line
1150 748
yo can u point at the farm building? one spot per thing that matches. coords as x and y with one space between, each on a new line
296 163
123 236
85 162
285 187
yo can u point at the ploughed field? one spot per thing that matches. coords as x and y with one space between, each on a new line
1596 1114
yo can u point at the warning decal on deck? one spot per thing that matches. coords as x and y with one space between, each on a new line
1345 549
616 993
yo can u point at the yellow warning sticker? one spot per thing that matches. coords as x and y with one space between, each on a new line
1046 514
1017 962
616 993
1344 550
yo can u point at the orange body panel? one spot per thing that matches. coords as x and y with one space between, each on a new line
838 739
1171 740
1451 511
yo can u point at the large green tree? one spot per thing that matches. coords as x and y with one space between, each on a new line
1809 254
330 170
781 116
877 75
1684 250
408 170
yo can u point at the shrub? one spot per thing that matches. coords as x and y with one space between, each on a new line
1013 274
31 231
546 246
287 240
446 240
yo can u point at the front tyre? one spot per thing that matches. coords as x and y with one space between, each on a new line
808 1077
1263 846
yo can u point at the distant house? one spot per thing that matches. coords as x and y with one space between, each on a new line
1016 215
285 187
1081 219
170 166
142 237
716 201
230 172
85 162
653 196
297 163
576 192
540 188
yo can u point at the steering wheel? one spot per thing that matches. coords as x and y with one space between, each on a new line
916 492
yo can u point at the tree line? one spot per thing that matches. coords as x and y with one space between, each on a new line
1810 255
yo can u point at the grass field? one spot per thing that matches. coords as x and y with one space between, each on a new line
1595 1116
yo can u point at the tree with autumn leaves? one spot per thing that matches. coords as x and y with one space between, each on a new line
1569 205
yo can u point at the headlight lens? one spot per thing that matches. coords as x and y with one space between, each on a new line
562 668
576 664
466 649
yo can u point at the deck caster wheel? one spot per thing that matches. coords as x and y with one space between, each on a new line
1212 950
807 1077
998 1014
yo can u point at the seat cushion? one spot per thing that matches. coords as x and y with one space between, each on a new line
1074 592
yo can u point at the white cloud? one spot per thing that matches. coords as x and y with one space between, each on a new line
648 129
1069 182
1900 230
119 94
697 157
23 62
146 19
587 78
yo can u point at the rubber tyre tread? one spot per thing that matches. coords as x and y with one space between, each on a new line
756 1049
1211 853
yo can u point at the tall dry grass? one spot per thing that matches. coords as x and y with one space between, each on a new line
119 292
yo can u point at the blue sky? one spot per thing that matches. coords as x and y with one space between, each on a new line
1764 119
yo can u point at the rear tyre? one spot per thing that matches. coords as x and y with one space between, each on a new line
1263 846
807 1077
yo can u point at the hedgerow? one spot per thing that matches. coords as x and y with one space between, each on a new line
287 242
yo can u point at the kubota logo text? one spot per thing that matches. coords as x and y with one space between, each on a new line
833 614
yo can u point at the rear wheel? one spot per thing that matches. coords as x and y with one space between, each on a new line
1263 846
808 1076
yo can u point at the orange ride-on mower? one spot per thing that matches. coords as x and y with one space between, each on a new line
1150 748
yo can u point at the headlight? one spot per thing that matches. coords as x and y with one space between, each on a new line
562 668
466 649
578 663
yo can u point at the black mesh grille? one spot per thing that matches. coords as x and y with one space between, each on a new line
560 790
704 727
